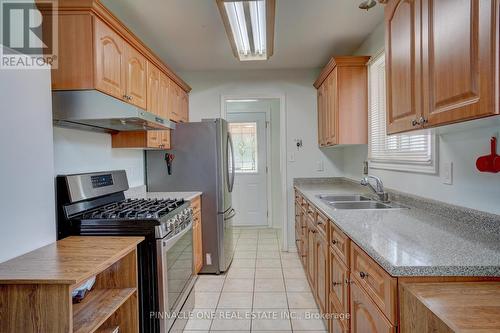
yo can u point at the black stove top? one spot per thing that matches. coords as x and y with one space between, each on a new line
134 209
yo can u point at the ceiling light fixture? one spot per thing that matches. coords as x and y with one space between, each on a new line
249 26
367 4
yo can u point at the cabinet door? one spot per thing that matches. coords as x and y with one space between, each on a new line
174 101
339 282
153 139
164 138
153 89
304 236
459 59
197 243
365 316
311 254
185 107
109 61
135 77
321 115
321 273
332 110
403 79
164 111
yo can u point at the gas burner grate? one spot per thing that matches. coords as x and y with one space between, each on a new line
134 209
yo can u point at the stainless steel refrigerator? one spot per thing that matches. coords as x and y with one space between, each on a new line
204 161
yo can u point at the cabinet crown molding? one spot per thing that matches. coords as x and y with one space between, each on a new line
339 61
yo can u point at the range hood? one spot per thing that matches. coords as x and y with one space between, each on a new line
96 111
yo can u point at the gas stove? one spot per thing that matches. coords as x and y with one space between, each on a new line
95 204
167 216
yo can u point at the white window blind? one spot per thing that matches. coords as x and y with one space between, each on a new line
399 152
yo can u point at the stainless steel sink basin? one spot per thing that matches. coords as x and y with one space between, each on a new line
360 205
341 198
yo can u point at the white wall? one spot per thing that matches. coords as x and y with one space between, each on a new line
301 120
78 151
470 188
26 170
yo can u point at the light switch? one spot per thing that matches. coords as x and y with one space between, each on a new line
447 173
320 166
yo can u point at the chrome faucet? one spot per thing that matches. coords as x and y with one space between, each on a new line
378 189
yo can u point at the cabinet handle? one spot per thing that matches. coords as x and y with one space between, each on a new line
125 97
347 281
320 222
334 284
129 98
423 121
334 241
363 275
414 122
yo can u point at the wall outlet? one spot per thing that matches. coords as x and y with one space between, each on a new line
365 167
320 166
447 173
291 157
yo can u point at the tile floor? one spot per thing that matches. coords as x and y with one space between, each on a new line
264 290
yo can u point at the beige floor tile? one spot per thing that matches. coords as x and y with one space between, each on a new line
232 320
268 273
241 273
297 285
270 300
238 285
210 277
201 320
270 241
248 236
268 263
289 255
268 255
243 263
307 320
209 285
301 300
267 247
205 300
245 255
271 320
294 273
291 263
246 247
184 331
269 285
234 300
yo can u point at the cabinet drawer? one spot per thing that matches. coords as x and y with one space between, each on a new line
340 243
377 283
321 222
196 205
311 213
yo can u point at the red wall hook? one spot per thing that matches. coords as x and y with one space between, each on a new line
489 163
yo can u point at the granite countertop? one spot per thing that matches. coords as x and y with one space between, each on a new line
140 192
414 241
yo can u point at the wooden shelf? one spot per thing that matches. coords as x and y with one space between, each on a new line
97 307
39 284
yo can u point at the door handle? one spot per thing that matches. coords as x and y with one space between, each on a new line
232 213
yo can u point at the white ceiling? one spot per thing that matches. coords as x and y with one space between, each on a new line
189 35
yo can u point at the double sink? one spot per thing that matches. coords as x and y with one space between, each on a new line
355 202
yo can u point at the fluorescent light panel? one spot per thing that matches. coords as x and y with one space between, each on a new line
237 13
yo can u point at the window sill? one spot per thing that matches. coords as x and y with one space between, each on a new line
413 168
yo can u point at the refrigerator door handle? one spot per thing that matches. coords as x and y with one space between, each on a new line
230 152
232 213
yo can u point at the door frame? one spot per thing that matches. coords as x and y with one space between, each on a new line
283 155
269 162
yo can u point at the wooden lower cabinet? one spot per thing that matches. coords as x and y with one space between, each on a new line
197 235
339 282
365 315
338 321
321 271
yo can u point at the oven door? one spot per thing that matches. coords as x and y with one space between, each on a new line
175 273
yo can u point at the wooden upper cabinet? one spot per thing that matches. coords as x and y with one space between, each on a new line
164 111
184 112
441 62
402 65
109 61
460 59
135 75
365 316
343 102
153 89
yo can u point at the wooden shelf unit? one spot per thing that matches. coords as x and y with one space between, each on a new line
39 285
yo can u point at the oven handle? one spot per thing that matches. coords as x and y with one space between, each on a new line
167 244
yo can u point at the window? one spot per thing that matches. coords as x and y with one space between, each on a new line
404 152
244 137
